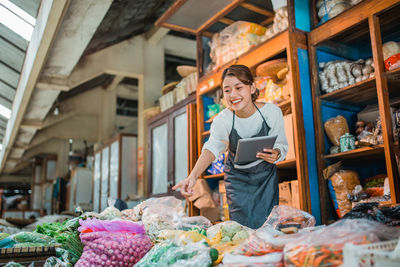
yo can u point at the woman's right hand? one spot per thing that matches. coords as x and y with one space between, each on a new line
186 186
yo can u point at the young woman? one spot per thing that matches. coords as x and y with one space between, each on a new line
252 189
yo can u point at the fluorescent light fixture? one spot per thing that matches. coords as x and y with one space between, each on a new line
5 112
16 19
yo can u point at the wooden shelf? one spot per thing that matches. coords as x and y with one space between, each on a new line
286 164
214 176
363 152
393 75
286 106
251 58
360 93
385 203
346 20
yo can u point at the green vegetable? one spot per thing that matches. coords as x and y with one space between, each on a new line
67 235
240 235
13 264
3 235
226 239
27 237
214 254
230 229
27 244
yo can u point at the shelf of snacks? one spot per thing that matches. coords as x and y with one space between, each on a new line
358 93
348 55
358 153
264 39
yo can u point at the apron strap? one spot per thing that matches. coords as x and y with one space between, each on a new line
261 115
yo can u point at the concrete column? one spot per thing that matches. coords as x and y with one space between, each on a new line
150 85
107 115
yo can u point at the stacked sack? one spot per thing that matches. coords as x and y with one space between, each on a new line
337 74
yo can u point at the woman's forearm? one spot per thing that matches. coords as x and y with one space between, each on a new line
205 159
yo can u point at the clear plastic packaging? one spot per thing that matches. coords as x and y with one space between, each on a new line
335 128
228 231
283 216
325 247
95 225
169 254
341 184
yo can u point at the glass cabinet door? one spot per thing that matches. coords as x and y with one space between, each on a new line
96 182
105 172
160 159
114 167
181 147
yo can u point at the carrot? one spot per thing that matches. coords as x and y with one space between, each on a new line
320 259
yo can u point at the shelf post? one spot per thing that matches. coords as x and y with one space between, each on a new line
384 107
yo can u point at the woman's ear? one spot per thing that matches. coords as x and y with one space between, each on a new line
253 88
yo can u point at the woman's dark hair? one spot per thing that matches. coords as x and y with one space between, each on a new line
243 74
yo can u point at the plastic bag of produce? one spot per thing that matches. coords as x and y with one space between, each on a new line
325 247
115 246
227 231
282 217
170 254
335 128
27 239
182 237
170 203
341 184
95 225
269 260
191 223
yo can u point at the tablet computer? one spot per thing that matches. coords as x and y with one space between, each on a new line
248 148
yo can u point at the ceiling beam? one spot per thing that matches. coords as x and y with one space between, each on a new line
51 14
257 9
117 79
155 34
49 121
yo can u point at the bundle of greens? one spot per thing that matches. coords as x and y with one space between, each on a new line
66 234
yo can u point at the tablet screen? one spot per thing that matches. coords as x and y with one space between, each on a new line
248 148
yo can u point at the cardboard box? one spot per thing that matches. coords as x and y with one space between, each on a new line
370 113
213 214
285 195
221 186
288 120
295 194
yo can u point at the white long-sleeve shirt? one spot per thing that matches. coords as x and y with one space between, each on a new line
247 127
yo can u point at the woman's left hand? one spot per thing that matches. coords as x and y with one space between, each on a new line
270 155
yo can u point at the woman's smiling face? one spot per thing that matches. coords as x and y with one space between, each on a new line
237 94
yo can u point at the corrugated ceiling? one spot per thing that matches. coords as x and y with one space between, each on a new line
12 54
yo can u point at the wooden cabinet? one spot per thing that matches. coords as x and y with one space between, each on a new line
357 33
115 171
290 44
171 147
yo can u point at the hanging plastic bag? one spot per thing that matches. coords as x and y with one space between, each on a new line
325 247
114 247
283 216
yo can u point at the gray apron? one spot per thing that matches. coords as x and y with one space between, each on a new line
251 191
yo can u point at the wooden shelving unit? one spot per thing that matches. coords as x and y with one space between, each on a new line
353 30
283 45
359 93
359 153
